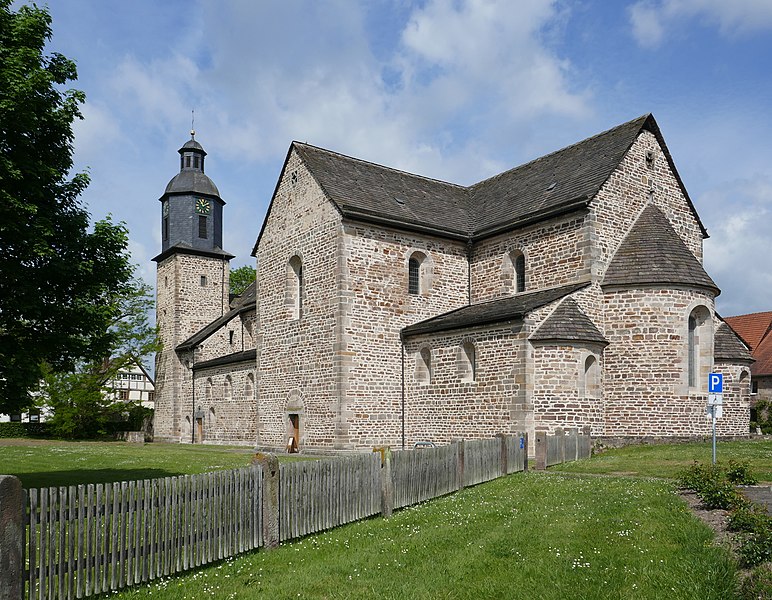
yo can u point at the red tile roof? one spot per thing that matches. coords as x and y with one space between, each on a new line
756 329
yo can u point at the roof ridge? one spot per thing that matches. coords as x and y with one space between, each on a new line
380 166
642 118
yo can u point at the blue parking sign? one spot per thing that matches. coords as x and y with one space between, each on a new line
715 383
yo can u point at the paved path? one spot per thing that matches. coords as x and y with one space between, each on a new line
760 494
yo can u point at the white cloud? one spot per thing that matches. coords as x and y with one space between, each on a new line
457 72
650 18
734 254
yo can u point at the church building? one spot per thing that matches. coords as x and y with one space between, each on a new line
391 308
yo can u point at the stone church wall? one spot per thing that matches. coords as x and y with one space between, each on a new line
191 292
377 306
736 407
561 397
296 356
222 343
624 195
225 401
556 253
646 387
453 405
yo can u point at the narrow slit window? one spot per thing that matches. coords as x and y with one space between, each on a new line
520 273
414 276
202 227
692 366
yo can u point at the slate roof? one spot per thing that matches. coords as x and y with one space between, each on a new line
228 359
756 330
652 253
496 311
728 345
364 189
185 248
568 323
191 181
559 182
242 303
569 176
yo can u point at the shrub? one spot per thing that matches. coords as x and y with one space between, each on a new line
749 518
739 472
756 547
720 494
23 430
699 476
13 430
758 584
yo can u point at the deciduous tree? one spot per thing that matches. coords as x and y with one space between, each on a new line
241 279
58 275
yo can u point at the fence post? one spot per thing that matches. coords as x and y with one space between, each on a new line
560 435
540 445
574 432
270 467
524 436
586 433
460 481
503 460
387 484
12 536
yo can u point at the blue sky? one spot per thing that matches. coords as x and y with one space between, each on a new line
457 90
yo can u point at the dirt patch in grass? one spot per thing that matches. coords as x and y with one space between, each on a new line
716 519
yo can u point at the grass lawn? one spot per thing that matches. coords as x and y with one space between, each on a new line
42 463
529 535
666 460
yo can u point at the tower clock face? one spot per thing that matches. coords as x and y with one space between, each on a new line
203 206
166 209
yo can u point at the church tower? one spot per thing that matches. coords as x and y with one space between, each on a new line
191 287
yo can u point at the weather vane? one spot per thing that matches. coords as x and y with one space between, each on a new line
192 123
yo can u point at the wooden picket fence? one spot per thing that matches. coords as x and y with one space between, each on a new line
420 475
322 494
566 445
91 539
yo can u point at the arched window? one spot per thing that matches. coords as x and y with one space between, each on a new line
212 416
227 389
513 272
698 348
468 362
423 366
417 273
590 381
249 386
519 277
294 293
692 350
209 389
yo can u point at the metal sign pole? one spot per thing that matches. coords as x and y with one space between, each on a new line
714 433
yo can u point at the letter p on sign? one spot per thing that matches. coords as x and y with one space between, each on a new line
715 383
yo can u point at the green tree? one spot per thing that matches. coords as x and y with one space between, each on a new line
241 279
79 402
57 275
